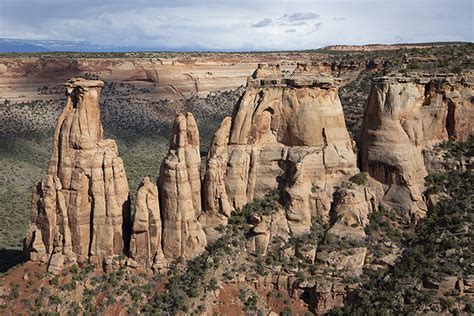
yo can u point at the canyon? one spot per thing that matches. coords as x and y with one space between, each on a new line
287 135
286 196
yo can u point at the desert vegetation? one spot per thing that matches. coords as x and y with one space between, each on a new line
424 278
436 254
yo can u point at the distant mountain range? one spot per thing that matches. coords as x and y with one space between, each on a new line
9 45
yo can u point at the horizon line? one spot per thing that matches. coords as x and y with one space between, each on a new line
123 49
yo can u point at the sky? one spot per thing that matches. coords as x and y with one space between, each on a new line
237 25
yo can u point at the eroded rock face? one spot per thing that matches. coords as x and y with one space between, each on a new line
405 116
287 134
180 189
329 295
315 69
145 243
350 212
267 71
351 263
214 192
78 209
264 228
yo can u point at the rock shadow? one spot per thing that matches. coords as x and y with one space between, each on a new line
10 258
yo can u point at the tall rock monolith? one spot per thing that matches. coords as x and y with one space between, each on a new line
80 210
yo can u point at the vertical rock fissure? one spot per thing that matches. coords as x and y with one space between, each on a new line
325 144
148 244
176 212
59 150
91 218
450 119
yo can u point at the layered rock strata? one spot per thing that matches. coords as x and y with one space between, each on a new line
287 134
80 208
165 224
404 118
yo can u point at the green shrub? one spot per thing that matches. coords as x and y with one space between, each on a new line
54 300
413 65
360 179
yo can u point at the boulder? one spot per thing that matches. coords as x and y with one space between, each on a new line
264 228
350 212
349 261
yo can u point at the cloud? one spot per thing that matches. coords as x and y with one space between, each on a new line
263 23
296 23
289 19
316 27
290 31
301 16
236 24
